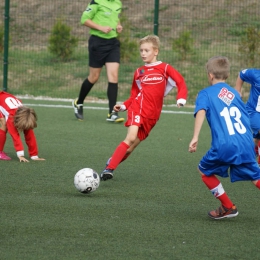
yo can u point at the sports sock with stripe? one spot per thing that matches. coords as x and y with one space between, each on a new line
217 190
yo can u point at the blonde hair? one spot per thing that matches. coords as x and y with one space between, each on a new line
155 40
25 118
219 67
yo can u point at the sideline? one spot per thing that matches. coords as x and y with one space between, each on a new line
100 108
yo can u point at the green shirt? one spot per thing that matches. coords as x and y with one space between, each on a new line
104 13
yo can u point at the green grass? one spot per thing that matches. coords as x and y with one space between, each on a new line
154 208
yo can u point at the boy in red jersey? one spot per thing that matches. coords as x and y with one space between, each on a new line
151 83
15 118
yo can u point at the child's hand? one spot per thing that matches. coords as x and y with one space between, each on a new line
193 145
117 108
119 28
22 159
38 159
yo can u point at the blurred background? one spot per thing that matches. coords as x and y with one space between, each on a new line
48 56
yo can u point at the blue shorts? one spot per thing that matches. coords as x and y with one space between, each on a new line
255 123
242 172
256 136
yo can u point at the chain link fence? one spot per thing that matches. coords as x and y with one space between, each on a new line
190 31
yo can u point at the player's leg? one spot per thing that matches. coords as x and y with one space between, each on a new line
255 126
120 152
136 133
257 183
227 208
248 171
209 168
131 149
257 147
86 86
112 63
88 83
96 62
3 130
112 91
258 151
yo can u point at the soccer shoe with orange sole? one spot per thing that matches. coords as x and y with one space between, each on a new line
223 212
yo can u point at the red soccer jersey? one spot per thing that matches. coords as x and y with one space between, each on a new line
151 83
8 107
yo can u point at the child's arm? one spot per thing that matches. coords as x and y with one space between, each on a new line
134 92
31 142
239 84
18 145
200 116
182 90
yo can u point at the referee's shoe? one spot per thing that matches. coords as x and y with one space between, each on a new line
78 109
114 117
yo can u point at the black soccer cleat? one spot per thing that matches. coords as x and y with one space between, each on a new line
106 174
78 109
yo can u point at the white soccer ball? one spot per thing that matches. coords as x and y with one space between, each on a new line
86 180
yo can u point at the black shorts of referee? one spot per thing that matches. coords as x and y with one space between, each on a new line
102 51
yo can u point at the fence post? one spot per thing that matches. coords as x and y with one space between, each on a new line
156 17
6 44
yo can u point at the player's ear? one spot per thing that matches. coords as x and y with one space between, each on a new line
211 76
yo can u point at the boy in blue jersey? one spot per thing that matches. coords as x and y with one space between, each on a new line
232 146
252 77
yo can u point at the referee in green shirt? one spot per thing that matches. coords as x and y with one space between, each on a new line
102 17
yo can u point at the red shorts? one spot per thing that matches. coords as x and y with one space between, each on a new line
145 124
1 115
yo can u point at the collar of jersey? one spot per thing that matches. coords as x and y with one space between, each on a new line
153 64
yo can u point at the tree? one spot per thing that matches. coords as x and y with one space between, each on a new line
61 43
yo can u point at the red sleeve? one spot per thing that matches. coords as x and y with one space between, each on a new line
29 136
134 91
180 83
31 142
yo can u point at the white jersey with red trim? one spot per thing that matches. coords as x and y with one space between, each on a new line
151 83
8 107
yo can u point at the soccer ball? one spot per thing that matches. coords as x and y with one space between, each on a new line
86 180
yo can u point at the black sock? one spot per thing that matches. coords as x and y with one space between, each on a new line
112 95
85 88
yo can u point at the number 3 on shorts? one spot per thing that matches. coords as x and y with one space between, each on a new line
137 119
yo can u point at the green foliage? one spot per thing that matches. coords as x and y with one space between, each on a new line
128 47
183 45
1 39
61 43
250 46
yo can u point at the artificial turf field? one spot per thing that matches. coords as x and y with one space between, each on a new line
155 207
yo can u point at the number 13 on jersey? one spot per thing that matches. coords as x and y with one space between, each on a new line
234 113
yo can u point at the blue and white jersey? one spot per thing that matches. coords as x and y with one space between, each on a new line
232 141
252 77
